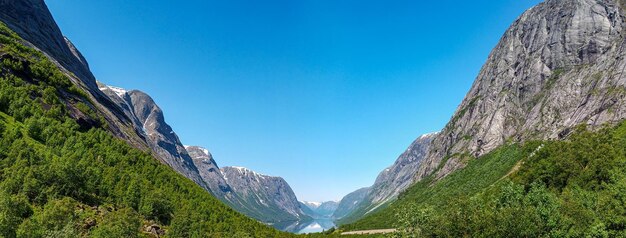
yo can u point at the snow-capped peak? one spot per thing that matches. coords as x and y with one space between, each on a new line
240 168
430 134
312 204
205 151
117 90
243 170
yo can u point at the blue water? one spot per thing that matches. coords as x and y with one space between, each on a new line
316 226
299 227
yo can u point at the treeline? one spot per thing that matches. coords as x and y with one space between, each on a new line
61 178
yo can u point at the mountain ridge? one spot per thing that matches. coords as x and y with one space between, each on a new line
268 196
553 69
235 190
82 180
320 210
196 162
149 123
388 184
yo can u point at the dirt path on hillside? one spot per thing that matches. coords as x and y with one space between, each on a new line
369 232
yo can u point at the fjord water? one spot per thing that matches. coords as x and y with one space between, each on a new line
300 227
318 225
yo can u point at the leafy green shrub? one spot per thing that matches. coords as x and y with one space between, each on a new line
44 70
121 223
155 207
12 64
35 127
57 219
13 210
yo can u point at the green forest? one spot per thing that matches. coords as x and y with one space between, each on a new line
62 178
570 188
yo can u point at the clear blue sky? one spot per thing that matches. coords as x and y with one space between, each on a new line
325 93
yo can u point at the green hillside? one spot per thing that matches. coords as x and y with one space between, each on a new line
571 188
475 177
64 177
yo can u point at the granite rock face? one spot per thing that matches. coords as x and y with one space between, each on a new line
133 117
270 197
265 198
398 177
559 65
309 211
391 181
32 20
210 172
149 123
326 209
350 203
320 210
34 23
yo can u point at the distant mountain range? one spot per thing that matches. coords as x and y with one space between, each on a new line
265 198
319 209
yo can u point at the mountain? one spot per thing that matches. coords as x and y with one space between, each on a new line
389 183
32 21
393 180
326 209
211 174
350 202
270 198
312 205
193 162
533 147
559 65
308 210
73 162
149 123
265 198
319 209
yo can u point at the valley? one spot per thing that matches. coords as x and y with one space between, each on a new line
537 148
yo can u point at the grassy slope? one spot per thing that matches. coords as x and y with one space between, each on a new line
479 174
365 208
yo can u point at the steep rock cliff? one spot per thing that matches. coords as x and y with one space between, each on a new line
269 197
149 123
559 65
350 202
389 183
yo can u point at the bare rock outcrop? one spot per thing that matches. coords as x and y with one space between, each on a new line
149 123
389 183
267 196
559 65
